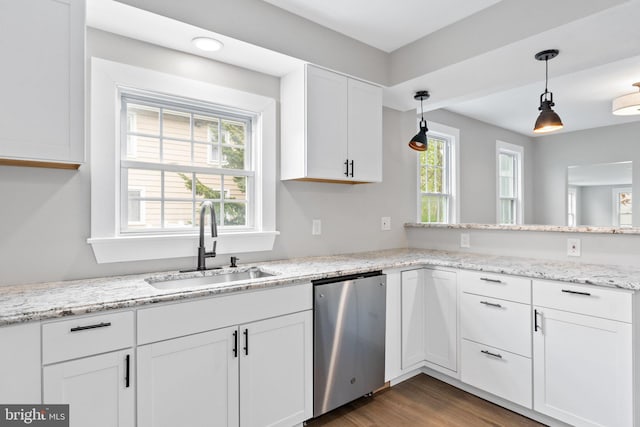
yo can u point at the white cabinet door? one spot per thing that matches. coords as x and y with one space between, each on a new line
20 364
189 381
441 318
365 132
42 104
582 368
276 375
413 315
95 388
326 147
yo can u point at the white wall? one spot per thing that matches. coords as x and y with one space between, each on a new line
46 213
596 205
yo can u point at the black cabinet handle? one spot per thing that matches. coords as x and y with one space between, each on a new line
235 343
535 321
486 279
488 353
246 342
346 164
96 326
352 167
491 304
567 291
127 370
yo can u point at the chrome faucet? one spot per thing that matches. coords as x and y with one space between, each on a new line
202 252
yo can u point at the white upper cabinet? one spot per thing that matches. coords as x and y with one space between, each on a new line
331 127
42 105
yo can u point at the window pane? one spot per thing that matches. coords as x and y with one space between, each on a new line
235 214
143 119
625 202
232 158
146 181
177 185
235 187
143 149
178 214
176 152
507 211
434 209
134 206
506 165
205 129
216 208
176 124
149 216
233 133
205 155
506 187
208 187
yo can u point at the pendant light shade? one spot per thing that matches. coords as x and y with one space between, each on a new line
627 105
548 120
419 141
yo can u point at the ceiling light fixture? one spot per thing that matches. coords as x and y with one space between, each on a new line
548 120
207 44
627 105
419 142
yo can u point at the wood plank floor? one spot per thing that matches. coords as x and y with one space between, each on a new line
422 401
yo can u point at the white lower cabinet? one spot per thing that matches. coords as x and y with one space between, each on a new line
429 319
190 381
583 365
98 389
255 374
20 365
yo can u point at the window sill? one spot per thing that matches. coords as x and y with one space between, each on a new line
140 248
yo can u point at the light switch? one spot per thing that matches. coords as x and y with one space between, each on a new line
385 223
465 241
316 227
573 247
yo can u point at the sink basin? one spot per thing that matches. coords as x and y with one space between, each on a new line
229 277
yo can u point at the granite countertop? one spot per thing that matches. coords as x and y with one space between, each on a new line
23 303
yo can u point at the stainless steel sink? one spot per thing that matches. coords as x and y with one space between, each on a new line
223 277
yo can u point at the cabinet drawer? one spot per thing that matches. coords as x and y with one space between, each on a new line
608 303
502 324
496 285
192 317
498 372
86 335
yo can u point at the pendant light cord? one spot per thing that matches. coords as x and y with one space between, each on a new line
546 75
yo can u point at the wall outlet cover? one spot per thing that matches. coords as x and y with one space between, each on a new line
316 227
573 247
385 223
465 240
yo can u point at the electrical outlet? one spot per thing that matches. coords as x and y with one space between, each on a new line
465 241
316 227
573 247
385 223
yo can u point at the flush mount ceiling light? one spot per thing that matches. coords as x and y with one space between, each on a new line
627 105
207 44
419 142
548 120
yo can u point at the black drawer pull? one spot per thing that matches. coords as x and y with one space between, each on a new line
235 343
488 353
535 321
486 279
246 342
567 291
127 370
491 304
96 326
346 164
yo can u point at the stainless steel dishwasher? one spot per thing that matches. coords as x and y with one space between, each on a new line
349 338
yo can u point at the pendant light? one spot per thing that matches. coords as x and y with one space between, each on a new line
548 120
419 142
627 105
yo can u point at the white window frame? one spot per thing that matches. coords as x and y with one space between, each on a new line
143 211
616 205
572 206
108 244
518 152
452 135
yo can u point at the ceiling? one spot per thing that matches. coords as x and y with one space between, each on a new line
386 25
486 72
601 174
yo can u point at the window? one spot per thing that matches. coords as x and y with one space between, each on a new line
509 183
175 167
622 207
436 186
572 205
162 183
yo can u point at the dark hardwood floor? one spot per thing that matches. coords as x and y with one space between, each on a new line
422 401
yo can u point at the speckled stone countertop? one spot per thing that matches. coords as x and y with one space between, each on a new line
26 303
529 227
